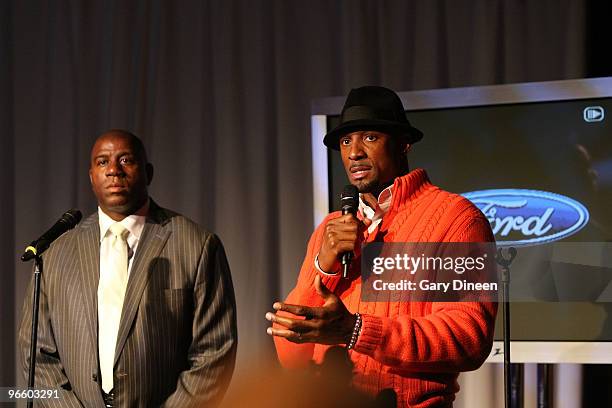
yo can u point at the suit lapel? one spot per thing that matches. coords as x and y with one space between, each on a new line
88 250
153 239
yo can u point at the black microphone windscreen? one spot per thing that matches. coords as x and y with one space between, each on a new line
73 217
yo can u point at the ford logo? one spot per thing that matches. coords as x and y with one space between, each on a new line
529 217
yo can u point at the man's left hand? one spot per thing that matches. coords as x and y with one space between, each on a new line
331 323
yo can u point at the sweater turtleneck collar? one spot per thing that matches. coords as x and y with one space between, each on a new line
408 187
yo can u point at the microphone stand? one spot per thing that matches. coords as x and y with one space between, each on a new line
545 386
38 268
512 389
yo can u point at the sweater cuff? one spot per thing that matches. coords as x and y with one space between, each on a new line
371 335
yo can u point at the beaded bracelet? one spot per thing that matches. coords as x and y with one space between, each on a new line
356 332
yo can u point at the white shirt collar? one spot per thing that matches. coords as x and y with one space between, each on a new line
382 206
133 223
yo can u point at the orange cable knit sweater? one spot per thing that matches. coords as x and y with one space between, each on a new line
415 348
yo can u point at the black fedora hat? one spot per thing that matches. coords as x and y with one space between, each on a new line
373 108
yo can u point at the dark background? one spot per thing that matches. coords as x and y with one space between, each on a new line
220 93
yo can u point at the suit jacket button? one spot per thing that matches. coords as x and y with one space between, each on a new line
94 377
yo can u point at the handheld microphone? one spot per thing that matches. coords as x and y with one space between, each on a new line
68 221
349 201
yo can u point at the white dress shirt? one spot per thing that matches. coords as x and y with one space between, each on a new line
133 223
382 206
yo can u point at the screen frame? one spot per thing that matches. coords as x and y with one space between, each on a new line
595 352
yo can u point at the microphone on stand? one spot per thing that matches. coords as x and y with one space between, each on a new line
68 221
349 201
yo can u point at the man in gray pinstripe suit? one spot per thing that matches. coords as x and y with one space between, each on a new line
175 336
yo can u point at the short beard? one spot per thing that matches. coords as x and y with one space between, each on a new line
365 186
374 187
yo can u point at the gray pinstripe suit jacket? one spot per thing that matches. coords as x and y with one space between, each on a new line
176 344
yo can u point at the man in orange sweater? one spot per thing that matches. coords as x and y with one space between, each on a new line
416 349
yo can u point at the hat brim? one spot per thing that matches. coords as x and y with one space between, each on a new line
411 134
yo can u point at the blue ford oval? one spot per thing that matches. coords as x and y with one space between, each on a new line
529 217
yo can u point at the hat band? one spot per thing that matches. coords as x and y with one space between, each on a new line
361 112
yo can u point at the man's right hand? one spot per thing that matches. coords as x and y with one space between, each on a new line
340 236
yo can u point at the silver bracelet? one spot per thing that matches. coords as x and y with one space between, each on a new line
316 264
356 332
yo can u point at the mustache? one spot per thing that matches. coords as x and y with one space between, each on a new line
115 183
358 164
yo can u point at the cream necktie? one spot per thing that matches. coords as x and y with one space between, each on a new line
111 291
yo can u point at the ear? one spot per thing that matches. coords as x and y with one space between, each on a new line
402 147
149 170
90 177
